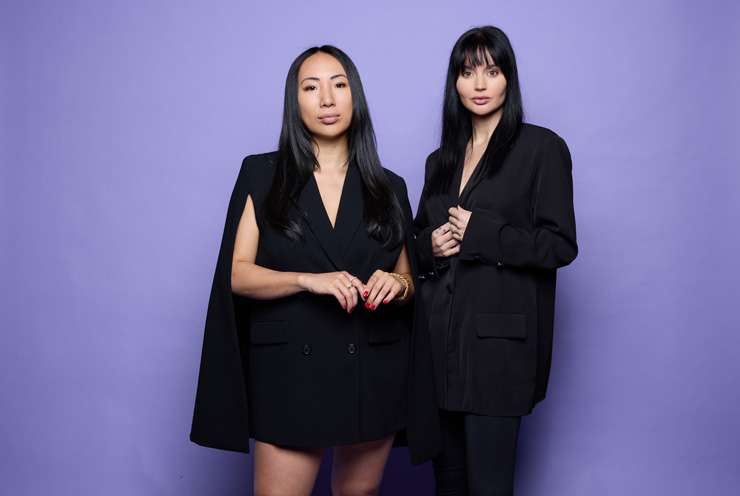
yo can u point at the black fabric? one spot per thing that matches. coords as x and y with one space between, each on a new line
299 371
478 455
491 306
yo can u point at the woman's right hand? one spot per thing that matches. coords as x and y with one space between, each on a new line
342 285
443 244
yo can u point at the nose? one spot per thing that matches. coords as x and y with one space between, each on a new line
480 81
327 95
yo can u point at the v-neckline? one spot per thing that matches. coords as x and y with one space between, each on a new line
332 227
458 191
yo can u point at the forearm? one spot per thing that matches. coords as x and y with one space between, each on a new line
491 240
260 283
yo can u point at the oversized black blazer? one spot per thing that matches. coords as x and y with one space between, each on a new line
488 310
299 370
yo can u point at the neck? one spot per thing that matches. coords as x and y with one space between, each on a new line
331 154
484 126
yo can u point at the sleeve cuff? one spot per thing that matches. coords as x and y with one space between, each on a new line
425 255
481 241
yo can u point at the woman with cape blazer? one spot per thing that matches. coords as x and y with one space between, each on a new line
495 221
308 333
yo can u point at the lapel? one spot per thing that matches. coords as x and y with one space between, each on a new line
494 163
333 241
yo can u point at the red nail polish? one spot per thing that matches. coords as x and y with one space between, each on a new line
386 301
365 294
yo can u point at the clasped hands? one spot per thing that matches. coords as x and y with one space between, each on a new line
382 287
446 238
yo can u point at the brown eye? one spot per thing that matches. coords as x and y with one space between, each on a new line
341 85
309 88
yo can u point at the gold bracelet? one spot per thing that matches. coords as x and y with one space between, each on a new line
406 286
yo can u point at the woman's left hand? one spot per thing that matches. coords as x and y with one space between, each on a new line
459 218
381 287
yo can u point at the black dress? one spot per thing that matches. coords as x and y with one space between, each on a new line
299 371
489 308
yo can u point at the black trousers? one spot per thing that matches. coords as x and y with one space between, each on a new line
478 455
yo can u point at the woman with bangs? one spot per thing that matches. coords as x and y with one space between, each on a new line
307 334
495 221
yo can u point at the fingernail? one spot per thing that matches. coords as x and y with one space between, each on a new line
367 305
386 301
365 294
372 306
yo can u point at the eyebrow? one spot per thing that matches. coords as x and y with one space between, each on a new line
314 78
489 66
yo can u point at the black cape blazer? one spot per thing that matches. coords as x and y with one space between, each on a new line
221 413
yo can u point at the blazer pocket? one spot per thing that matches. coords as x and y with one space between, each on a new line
269 332
501 325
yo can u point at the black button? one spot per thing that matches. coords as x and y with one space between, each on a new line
500 263
351 348
306 349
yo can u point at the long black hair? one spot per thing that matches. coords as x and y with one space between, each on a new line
296 160
473 48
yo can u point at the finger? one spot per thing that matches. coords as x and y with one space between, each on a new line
392 292
371 299
339 296
369 287
447 235
375 279
358 288
345 279
456 223
345 292
442 238
455 249
383 290
449 244
351 291
353 301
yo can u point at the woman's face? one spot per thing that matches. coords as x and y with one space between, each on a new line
482 89
324 97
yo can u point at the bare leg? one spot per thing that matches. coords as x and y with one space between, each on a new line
358 468
282 471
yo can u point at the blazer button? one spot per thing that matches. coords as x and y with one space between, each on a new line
306 349
351 348
500 263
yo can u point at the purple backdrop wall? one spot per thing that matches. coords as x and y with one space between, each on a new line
124 124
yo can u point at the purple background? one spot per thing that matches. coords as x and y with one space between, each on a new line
123 127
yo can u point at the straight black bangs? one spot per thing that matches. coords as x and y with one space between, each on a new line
475 50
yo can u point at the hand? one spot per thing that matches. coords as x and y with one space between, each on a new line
381 287
342 285
459 218
443 242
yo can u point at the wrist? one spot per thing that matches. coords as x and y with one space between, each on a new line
302 280
405 282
